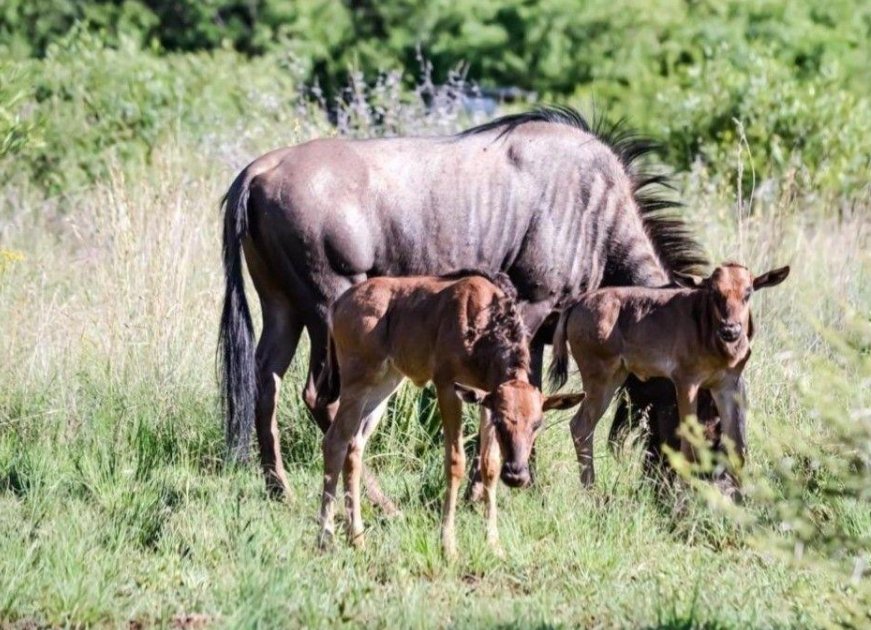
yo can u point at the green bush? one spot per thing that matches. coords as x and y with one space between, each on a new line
707 108
113 76
64 117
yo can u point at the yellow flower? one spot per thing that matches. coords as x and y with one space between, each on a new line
8 257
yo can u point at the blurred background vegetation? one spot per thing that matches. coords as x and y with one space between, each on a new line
83 76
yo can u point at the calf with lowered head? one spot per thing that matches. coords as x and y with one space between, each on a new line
697 335
464 333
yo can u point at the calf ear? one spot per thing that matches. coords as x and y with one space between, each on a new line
562 401
687 280
471 394
770 278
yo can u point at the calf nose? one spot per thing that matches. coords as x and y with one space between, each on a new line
515 475
730 331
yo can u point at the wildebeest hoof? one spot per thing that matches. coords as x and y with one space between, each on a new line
394 514
729 488
496 548
326 540
277 489
378 498
475 491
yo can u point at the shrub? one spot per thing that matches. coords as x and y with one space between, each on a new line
84 104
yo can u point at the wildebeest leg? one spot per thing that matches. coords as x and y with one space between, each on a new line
275 350
600 387
657 396
536 366
687 395
376 404
656 399
323 410
491 461
729 396
475 489
335 451
455 461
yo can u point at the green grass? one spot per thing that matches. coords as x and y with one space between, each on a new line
116 507
132 519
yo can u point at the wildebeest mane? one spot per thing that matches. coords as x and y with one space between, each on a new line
671 239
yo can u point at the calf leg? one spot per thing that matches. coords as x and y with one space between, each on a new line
335 450
455 461
729 397
491 462
323 410
600 388
376 404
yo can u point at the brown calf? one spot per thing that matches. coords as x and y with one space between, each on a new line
697 336
448 331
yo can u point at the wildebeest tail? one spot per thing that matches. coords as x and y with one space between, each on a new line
559 365
236 336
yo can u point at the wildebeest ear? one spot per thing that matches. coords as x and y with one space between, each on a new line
770 278
687 280
470 394
562 401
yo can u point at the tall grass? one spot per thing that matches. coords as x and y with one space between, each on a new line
115 505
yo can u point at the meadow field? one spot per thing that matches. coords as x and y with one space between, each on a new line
118 507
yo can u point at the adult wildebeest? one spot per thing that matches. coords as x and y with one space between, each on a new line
696 336
465 334
559 207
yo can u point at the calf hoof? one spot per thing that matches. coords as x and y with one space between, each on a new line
496 548
357 540
449 550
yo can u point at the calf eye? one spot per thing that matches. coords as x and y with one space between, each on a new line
536 425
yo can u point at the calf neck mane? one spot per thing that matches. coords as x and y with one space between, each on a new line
501 346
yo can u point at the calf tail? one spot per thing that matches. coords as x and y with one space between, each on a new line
559 365
329 382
